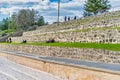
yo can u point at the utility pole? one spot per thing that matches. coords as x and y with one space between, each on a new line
58 12
9 20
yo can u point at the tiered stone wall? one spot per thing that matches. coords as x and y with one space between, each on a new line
103 20
65 33
100 36
76 25
74 53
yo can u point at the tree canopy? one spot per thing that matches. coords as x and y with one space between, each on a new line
41 21
96 6
25 19
4 24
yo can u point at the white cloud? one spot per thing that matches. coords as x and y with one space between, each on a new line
23 1
115 5
48 9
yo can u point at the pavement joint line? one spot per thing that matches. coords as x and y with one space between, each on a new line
8 75
26 74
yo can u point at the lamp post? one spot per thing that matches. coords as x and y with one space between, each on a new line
58 12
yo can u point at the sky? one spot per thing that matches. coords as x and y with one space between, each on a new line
48 8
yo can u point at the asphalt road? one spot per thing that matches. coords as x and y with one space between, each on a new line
99 65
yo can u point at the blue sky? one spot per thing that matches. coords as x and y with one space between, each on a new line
48 8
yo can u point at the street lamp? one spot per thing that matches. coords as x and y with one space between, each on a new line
58 12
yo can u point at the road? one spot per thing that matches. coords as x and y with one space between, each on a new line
97 65
12 71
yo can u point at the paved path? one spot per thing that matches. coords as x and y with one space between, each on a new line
96 65
100 65
12 71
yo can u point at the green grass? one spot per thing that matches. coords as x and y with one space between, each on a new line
113 47
94 29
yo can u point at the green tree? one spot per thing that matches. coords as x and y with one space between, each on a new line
96 6
104 6
13 22
41 21
25 18
4 24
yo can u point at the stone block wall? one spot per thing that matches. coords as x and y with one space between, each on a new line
103 20
65 33
75 26
64 71
98 55
99 36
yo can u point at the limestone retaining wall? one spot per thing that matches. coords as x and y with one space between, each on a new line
74 53
63 32
64 71
103 20
100 36
74 26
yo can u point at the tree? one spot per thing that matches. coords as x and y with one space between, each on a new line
104 6
4 24
13 22
96 6
41 21
25 19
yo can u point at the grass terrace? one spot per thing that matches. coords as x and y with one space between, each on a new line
89 29
93 29
113 47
